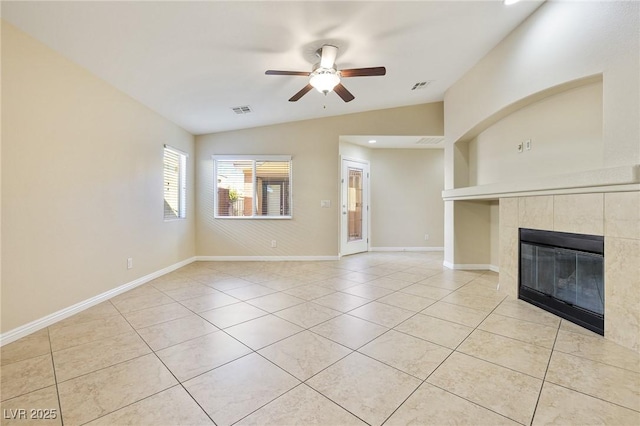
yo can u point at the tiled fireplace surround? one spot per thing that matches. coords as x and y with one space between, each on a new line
616 215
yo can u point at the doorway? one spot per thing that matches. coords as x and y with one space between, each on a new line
354 234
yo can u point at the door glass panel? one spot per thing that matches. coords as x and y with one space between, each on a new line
354 204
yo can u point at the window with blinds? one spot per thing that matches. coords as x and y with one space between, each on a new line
175 184
252 186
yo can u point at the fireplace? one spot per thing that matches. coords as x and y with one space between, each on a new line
563 273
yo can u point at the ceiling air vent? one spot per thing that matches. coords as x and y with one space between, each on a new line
246 109
421 85
430 140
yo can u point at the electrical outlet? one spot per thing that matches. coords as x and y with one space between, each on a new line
527 144
274 244
129 262
520 147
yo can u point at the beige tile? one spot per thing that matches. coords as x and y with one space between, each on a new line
166 283
227 284
522 310
406 353
261 277
341 301
524 331
149 300
169 333
507 392
484 304
196 356
509 257
429 292
409 277
430 405
142 290
336 283
309 292
44 402
575 328
407 301
602 381
510 353
359 277
441 332
93 395
250 292
85 332
367 291
275 302
579 213
382 314
301 406
304 354
263 331
230 315
389 283
455 313
622 298
559 405
99 311
622 214
365 387
597 348
509 212
307 314
536 212
190 292
83 359
208 302
173 406
26 376
234 390
156 315
30 346
349 331
441 282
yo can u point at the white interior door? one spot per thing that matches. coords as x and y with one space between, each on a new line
354 235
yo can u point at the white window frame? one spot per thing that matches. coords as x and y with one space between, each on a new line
182 183
253 159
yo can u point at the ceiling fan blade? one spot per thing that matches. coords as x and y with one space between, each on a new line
275 72
328 57
363 72
343 93
301 93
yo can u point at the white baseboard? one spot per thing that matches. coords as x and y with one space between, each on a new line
471 266
33 326
407 248
264 258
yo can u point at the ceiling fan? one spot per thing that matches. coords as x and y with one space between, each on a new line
325 77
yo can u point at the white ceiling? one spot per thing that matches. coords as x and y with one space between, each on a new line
386 142
193 61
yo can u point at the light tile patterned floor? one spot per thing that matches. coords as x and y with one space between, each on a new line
376 338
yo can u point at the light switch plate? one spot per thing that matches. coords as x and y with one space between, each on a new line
325 204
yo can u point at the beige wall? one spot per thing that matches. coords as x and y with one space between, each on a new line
81 185
406 198
560 42
566 134
314 147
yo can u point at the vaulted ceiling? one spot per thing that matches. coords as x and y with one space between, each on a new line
192 62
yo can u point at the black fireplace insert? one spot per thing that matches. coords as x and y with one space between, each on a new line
563 273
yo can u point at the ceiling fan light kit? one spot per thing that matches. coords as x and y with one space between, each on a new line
325 77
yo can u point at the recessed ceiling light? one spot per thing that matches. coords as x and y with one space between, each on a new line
372 141
510 2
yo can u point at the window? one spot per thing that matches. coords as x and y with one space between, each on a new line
175 184
252 186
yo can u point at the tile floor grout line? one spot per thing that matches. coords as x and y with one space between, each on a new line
544 378
178 382
55 378
593 396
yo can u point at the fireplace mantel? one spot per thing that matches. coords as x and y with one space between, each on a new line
625 178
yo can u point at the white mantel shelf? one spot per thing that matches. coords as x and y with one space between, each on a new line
626 178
